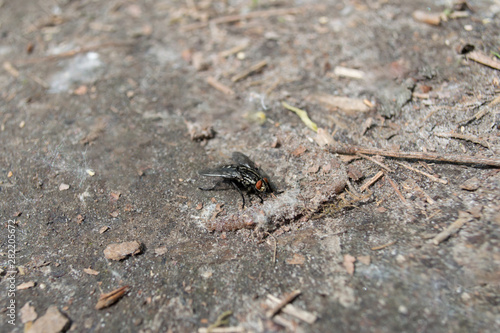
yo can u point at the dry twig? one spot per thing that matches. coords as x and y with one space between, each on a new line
380 164
395 187
466 137
255 68
371 181
483 59
285 301
380 247
463 217
219 86
448 158
251 15
431 177
292 310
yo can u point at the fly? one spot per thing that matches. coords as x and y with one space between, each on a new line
242 175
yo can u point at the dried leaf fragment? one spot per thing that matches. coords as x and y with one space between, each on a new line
302 115
106 300
119 251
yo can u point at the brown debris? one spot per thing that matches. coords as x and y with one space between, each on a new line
323 138
292 310
198 132
371 181
456 159
347 104
106 300
426 17
80 218
380 247
103 229
471 184
483 59
289 298
251 15
27 313
349 264
463 217
466 137
299 151
90 271
253 69
297 259
26 285
219 86
52 321
9 68
119 251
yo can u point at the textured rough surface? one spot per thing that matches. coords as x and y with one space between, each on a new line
108 110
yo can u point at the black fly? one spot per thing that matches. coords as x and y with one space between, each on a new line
242 175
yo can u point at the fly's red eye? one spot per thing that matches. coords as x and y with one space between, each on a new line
266 181
258 185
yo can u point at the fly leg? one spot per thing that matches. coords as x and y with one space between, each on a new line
241 193
257 194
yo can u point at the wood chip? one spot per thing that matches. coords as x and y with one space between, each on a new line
349 264
52 321
159 251
348 72
364 260
103 229
27 313
471 184
426 17
106 300
119 251
347 104
463 217
63 187
9 68
299 151
26 285
90 271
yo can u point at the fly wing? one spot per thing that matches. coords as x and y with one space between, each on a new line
229 172
243 159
